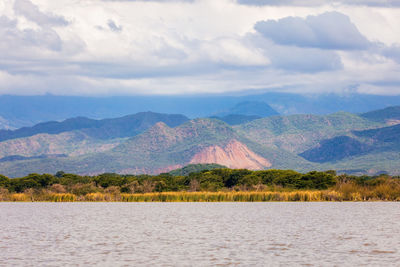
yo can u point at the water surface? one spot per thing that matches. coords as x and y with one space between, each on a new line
199 234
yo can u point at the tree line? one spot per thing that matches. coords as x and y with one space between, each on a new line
222 179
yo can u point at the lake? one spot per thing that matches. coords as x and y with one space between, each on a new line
200 234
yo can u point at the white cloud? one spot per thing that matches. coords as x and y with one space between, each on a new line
130 47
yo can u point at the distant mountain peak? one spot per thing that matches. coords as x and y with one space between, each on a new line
160 125
159 129
250 108
206 127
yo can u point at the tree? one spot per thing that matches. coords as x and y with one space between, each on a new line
109 179
249 180
59 174
210 182
4 181
235 176
317 180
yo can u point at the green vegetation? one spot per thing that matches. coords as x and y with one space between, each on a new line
192 168
297 133
335 149
373 142
220 184
236 119
383 115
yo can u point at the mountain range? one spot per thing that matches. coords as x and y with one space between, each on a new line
149 142
102 129
20 111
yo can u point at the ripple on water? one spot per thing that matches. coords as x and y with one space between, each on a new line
118 234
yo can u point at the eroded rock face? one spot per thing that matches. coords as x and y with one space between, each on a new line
234 155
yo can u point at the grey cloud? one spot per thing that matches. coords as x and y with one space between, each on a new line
297 59
136 71
30 11
388 83
5 22
392 52
381 3
331 30
43 37
113 26
46 37
305 60
12 37
160 1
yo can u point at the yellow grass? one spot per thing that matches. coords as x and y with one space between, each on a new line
230 196
19 197
62 197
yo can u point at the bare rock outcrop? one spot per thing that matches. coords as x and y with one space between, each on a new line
233 155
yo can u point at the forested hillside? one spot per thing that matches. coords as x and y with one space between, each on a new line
153 143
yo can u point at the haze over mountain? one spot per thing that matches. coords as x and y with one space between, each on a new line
250 108
4 124
246 111
153 143
21 111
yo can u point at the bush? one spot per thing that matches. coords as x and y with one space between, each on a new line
83 189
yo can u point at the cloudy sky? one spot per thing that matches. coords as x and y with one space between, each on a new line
121 47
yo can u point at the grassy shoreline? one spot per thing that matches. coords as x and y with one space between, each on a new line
217 185
244 196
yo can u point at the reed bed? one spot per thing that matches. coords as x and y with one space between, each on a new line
62 198
230 196
20 197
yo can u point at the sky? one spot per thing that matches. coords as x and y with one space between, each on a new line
130 47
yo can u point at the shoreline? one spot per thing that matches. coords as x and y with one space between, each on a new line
184 196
